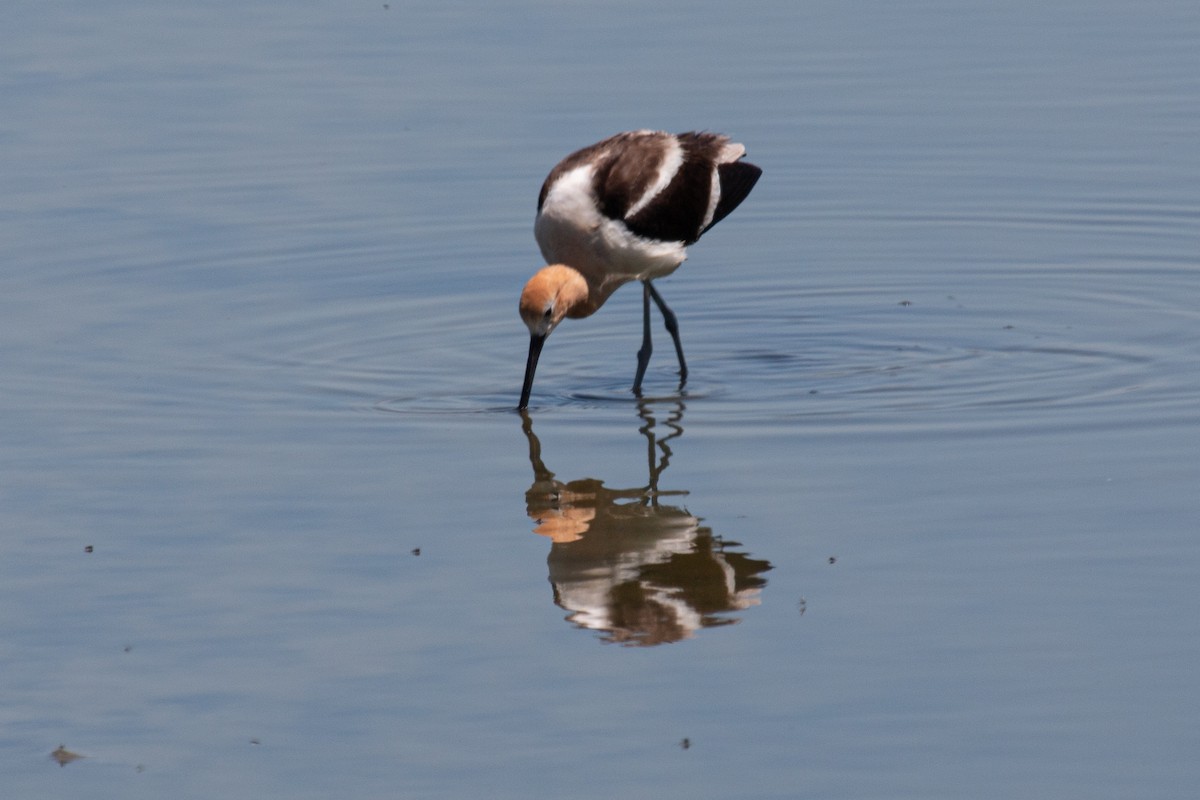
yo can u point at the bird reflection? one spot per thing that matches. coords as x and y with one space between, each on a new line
630 563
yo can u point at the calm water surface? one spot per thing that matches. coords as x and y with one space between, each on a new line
922 524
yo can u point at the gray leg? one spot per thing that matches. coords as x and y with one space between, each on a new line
672 328
643 355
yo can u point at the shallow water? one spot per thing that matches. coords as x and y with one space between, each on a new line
922 523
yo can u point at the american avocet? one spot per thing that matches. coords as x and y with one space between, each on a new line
621 210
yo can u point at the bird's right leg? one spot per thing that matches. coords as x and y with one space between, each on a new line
643 355
672 328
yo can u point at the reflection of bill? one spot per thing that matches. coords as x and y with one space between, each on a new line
641 571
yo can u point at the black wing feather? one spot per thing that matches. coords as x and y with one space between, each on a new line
737 179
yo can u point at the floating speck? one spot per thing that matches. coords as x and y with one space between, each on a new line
64 756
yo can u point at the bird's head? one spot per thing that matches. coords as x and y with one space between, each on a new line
554 292
551 294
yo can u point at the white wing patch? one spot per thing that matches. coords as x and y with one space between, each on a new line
714 197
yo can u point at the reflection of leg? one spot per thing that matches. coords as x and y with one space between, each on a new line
672 328
658 452
647 430
643 355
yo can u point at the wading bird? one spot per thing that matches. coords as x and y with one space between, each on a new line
626 209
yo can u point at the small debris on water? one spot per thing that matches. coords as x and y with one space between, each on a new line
64 756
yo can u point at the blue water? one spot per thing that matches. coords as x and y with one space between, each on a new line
923 522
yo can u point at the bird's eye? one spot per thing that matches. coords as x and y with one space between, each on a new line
548 314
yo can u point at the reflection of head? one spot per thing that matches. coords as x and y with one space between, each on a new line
628 565
563 513
565 526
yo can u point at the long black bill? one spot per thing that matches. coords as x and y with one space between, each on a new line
535 350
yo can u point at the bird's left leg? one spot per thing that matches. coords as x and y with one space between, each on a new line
672 328
643 355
